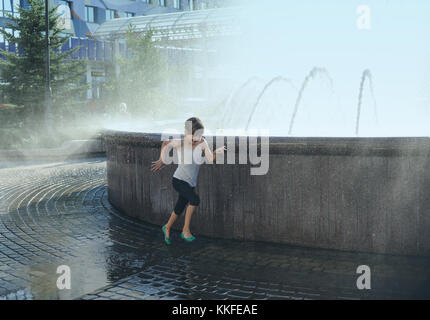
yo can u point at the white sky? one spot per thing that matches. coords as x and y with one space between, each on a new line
290 37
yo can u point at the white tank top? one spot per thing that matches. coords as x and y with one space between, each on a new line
189 163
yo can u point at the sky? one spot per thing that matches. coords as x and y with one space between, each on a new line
291 37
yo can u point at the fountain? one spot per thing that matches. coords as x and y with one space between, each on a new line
345 191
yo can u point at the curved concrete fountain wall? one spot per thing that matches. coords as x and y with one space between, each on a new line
358 194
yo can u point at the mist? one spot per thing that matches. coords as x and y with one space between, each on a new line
375 78
292 68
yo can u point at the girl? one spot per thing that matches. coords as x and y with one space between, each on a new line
185 177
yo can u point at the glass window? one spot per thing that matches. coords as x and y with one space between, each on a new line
192 5
15 5
161 3
66 3
90 14
7 5
110 14
177 4
9 31
129 14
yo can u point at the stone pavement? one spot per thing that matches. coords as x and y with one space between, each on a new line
57 213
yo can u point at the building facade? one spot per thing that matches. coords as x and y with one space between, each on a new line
81 18
84 16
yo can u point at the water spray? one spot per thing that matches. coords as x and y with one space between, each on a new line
233 96
267 86
366 75
314 72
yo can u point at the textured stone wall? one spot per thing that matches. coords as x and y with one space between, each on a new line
357 194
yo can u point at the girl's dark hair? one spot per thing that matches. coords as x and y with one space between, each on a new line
195 123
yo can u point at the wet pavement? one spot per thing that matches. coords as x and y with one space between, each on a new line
54 214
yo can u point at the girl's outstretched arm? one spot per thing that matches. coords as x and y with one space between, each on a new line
208 153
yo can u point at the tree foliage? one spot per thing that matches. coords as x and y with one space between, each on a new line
142 75
23 74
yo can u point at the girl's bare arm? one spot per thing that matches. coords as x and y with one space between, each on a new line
211 156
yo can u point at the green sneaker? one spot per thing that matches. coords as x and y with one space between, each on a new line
192 238
167 240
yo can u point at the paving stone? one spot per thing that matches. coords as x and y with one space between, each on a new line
54 214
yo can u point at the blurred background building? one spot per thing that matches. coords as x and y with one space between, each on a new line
82 17
92 26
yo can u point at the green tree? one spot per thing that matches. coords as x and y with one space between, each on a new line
23 73
142 75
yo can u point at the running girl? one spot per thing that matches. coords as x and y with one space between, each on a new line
184 181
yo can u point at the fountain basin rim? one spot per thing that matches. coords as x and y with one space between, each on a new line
367 146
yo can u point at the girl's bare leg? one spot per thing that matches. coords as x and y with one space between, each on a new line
188 215
169 224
